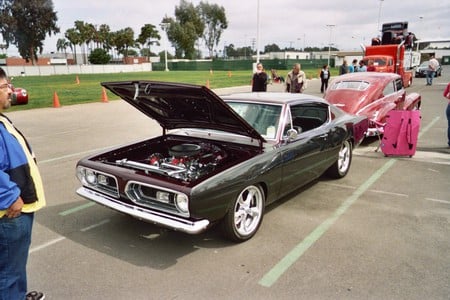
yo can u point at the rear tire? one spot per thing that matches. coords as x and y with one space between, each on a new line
245 216
342 165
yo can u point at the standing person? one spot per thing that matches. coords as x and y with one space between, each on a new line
21 194
371 66
447 112
343 69
324 77
296 80
354 66
362 66
432 66
259 81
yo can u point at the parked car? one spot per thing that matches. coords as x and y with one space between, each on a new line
19 96
421 70
371 94
218 160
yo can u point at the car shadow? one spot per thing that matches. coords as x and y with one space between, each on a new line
125 238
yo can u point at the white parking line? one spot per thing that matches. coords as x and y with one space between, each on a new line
438 200
40 247
62 238
95 225
373 191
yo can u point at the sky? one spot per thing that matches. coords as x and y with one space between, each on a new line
283 22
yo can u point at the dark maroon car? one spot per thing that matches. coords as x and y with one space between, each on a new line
218 160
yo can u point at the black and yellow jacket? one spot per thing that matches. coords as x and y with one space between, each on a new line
19 175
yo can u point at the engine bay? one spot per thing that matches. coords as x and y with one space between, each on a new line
184 161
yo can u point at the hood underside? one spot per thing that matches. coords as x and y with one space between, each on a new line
175 105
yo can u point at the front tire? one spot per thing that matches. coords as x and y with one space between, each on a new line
245 216
342 165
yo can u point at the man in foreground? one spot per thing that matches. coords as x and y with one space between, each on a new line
21 194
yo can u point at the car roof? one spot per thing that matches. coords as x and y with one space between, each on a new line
370 77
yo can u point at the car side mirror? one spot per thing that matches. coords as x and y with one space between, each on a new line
292 134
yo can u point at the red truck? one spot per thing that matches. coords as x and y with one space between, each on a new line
388 54
390 59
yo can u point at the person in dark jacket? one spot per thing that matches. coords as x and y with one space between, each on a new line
259 80
324 77
343 69
21 194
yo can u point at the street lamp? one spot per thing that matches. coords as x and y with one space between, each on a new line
257 32
379 17
330 26
164 27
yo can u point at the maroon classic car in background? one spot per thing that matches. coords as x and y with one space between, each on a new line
218 160
371 94
19 96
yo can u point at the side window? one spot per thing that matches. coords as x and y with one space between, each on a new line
389 89
309 116
399 84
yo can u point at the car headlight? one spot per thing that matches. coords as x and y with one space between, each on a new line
91 177
182 202
163 196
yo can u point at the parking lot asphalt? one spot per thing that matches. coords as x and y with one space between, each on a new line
379 233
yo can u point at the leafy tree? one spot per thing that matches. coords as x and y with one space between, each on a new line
230 51
62 44
99 57
26 23
185 29
271 48
215 21
74 38
104 36
148 36
147 53
123 39
85 32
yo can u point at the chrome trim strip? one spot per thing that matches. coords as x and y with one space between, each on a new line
158 218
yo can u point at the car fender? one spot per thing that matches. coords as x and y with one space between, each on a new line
412 100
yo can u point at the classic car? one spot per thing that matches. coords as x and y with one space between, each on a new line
371 94
218 160
421 70
19 96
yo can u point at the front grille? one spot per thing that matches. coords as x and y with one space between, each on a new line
146 195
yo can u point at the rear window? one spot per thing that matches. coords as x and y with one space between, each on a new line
350 85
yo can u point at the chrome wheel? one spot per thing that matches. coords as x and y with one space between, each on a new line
340 168
344 157
245 217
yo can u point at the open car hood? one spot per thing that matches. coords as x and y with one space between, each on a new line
175 105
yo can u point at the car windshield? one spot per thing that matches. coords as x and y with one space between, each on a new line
350 85
424 64
263 117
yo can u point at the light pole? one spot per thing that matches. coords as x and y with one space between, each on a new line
379 18
164 27
257 32
330 26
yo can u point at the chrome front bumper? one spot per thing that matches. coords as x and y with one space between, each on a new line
175 223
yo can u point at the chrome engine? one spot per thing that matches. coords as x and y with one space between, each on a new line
186 162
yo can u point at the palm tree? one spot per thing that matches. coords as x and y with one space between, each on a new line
74 38
148 36
62 44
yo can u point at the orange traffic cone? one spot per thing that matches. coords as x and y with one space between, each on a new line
56 100
207 83
229 73
104 96
77 80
